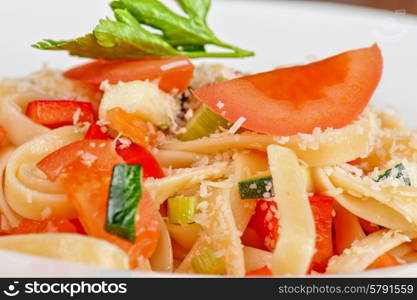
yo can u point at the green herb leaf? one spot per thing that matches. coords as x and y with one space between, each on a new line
125 37
400 173
195 9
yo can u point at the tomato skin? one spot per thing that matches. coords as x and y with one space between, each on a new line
262 272
50 225
329 93
172 74
322 207
58 113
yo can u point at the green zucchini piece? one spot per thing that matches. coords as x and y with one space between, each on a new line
256 188
124 196
401 174
203 123
208 263
181 210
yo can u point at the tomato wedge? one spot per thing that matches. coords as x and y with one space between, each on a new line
57 113
172 74
86 179
329 93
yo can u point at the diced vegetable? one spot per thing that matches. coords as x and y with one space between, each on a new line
399 171
203 123
124 196
262 272
298 99
262 231
262 186
172 74
143 99
135 154
256 188
265 223
132 154
181 210
322 208
57 113
131 126
95 132
208 263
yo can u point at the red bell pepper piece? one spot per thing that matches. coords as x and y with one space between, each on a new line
265 223
262 230
133 154
95 132
322 207
57 113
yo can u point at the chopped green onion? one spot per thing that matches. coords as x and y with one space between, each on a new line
125 193
256 188
208 263
203 123
181 210
401 174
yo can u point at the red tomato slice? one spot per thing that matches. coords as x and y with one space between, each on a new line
87 183
57 113
322 208
98 154
287 101
173 74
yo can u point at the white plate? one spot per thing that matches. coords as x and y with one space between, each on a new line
280 32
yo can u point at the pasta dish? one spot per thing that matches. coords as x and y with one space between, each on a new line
143 159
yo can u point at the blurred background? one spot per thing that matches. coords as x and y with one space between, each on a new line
409 6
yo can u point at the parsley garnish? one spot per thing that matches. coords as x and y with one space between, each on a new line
126 37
